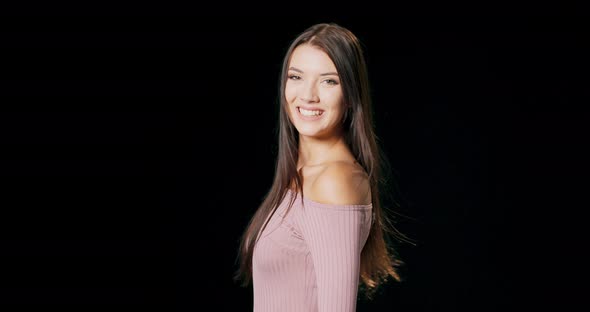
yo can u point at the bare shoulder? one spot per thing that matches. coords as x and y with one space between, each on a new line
341 183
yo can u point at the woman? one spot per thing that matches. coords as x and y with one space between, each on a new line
321 225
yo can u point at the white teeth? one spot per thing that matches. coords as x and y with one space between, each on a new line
305 112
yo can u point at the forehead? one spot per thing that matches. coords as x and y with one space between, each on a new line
311 59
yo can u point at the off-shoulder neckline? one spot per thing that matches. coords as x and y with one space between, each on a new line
332 206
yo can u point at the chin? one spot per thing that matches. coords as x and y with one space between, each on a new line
308 131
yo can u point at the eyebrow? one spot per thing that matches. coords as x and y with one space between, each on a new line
324 74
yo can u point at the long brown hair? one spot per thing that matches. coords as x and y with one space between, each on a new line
379 260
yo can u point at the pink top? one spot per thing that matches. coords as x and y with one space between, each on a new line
309 258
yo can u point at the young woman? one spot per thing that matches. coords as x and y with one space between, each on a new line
320 230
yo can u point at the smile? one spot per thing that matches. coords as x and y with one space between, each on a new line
309 114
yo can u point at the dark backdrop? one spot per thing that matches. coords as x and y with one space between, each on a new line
135 149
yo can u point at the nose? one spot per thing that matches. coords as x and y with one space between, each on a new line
308 93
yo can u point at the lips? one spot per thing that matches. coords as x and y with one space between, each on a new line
309 118
310 108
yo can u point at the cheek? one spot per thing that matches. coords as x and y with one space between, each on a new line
289 97
290 93
335 99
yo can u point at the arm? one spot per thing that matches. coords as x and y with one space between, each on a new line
335 226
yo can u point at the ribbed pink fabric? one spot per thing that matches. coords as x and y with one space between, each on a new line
308 259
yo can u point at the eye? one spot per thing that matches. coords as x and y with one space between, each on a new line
294 77
331 82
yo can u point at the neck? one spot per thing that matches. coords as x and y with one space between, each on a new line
315 151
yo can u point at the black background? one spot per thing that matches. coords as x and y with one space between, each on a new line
135 148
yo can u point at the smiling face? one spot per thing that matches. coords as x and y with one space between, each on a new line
313 93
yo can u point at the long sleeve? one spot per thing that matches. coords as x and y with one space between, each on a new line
335 236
